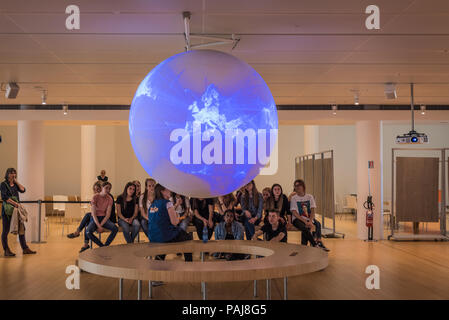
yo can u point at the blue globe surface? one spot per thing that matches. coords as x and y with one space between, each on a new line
212 99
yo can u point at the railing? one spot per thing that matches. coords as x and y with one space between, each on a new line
39 216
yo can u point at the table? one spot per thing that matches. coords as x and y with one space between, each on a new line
134 262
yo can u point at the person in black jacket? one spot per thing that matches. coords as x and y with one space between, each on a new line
10 189
277 201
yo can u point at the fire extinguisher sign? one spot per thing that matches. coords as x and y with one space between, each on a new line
370 164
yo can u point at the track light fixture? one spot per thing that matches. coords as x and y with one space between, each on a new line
423 109
44 96
334 109
65 109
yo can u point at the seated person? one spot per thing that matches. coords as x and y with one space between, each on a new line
163 221
182 208
252 206
101 212
127 209
227 202
85 221
229 229
203 215
302 207
274 230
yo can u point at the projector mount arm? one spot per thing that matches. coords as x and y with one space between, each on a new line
214 40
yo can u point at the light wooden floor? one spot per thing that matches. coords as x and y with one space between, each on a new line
408 270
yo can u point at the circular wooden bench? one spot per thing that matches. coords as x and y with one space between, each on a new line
134 262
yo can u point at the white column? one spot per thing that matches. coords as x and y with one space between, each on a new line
311 139
88 161
369 148
30 171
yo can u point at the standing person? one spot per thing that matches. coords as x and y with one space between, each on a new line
145 201
302 207
10 189
127 208
274 230
203 215
278 201
101 212
163 221
102 177
96 188
252 206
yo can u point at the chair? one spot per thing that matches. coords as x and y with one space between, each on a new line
59 208
351 204
72 212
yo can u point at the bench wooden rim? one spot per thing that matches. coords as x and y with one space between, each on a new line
130 261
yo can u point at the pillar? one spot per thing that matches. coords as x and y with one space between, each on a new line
369 148
88 161
30 172
311 139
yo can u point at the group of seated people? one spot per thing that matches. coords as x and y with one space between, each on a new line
164 215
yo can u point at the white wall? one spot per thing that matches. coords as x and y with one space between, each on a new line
291 145
8 149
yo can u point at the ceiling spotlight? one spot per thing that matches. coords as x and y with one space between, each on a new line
356 100
423 109
65 109
44 97
334 109
390 91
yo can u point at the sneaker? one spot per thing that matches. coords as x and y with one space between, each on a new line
321 245
73 235
84 248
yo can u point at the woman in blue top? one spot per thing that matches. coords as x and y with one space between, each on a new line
163 221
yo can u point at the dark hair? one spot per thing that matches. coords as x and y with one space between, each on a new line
272 203
106 183
158 189
227 199
183 198
198 204
255 195
275 211
231 211
125 194
9 171
301 183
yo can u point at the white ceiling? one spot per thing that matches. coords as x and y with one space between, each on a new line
309 52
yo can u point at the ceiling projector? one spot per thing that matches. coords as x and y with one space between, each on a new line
412 137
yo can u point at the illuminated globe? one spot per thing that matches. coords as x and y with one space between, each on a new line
203 123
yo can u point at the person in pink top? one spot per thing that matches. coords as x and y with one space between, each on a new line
101 212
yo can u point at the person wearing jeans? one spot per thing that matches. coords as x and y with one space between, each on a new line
302 207
10 189
127 209
101 211
145 201
252 206
85 221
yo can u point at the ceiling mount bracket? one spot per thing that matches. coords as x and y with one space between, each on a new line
214 40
